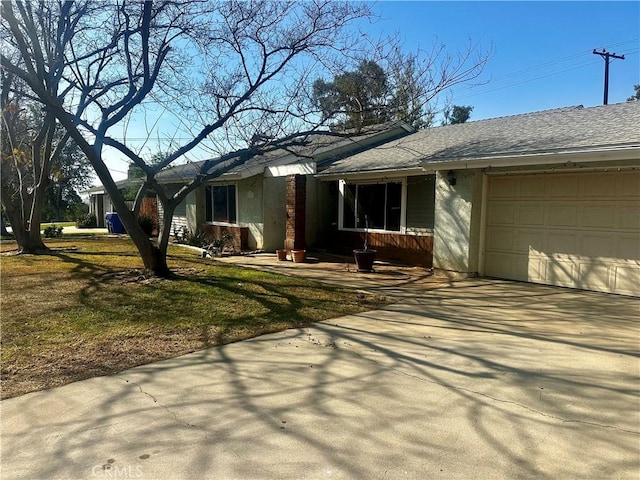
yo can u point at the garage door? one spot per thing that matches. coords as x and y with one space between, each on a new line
577 230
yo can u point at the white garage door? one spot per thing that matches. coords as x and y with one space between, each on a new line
577 230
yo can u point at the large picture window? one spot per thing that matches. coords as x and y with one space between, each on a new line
376 206
221 203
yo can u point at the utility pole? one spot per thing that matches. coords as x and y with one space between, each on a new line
606 55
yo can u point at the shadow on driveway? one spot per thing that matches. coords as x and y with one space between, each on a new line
478 379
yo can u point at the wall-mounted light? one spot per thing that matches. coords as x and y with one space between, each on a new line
451 177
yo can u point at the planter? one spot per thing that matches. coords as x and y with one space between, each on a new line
299 256
282 255
364 259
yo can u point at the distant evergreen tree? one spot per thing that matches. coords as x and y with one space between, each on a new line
457 114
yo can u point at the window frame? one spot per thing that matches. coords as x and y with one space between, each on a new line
342 185
209 192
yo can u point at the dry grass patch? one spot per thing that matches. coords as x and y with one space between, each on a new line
89 310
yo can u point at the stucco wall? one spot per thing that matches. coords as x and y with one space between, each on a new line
250 213
457 222
476 223
194 204
275 216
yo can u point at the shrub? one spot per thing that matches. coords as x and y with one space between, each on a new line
147 223
52 231
183 235
87 221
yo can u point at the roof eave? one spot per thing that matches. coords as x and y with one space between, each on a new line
372 174
627 152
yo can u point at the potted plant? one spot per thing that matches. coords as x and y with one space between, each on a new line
282 254
299 256
365 256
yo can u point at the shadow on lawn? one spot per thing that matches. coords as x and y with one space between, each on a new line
518 380
278 302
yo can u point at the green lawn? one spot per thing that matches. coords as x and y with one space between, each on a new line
88 310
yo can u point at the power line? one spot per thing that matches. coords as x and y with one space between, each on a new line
576 67
496 81
584 53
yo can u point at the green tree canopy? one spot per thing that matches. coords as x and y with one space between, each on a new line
355 98
399 87
457 114
70 173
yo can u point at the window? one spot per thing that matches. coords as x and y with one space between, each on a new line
376 206
221 203
421 195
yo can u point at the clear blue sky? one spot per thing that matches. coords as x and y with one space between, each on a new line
542 50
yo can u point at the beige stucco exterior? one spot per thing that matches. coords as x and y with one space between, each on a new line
274 189
457 222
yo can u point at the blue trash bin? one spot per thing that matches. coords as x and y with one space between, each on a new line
114 224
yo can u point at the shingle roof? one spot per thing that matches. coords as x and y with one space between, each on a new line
120 184
551 131
321 148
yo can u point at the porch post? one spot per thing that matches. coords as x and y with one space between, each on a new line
296 212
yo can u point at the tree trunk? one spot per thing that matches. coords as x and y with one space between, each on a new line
164 229
153 257
29 241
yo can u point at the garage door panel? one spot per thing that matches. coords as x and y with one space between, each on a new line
532 187
500 239
501 264
593 276
503 187
560 271
627 217
529 241
602 185
593 215
597 245
500 214
628 185
531 214
536 268
627 247
562 214
562 186
561 242
577 230
625 279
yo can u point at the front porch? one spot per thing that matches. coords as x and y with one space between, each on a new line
391 247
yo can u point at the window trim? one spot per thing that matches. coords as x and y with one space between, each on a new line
342 184
212 186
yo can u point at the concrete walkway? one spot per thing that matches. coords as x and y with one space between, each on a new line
396 281
470 380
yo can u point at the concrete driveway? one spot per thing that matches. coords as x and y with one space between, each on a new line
477 379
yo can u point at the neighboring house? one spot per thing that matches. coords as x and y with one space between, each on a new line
100 201
550 197
272 201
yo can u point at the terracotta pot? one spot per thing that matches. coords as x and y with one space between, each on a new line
299 256
282 255
364 259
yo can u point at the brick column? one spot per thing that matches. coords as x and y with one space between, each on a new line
296 212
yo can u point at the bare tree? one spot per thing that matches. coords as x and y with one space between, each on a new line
31 145
95 66
226 72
